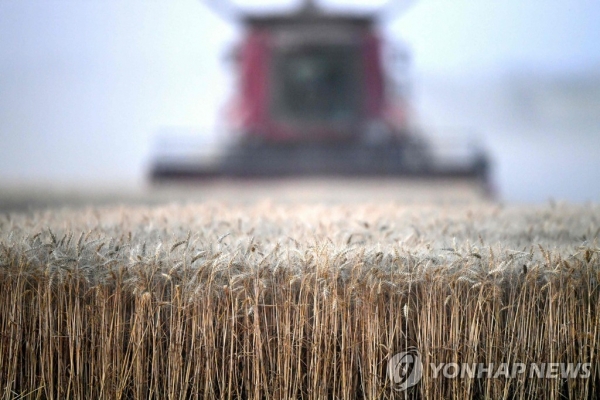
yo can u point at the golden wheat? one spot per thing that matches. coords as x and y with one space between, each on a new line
273 301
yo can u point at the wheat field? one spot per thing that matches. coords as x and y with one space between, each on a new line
295 301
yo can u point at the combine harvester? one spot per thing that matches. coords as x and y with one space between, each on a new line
316 98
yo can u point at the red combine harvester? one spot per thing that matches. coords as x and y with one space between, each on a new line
314 99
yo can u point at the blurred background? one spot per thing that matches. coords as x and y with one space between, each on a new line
86 85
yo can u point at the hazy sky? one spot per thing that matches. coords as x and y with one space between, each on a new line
85 84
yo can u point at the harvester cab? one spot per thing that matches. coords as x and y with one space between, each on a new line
311 77
315 98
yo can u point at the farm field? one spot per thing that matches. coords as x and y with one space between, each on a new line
230 294
236 192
